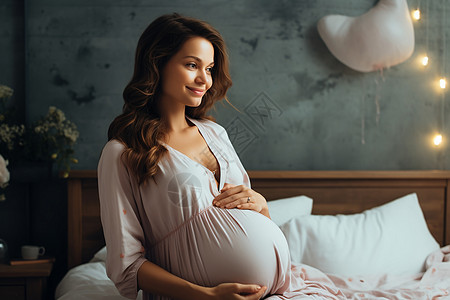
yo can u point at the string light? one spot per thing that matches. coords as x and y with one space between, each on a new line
416 14
424 60
442 83
437 140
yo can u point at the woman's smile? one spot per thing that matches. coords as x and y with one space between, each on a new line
196 91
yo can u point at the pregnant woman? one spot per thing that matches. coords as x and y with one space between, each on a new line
179 216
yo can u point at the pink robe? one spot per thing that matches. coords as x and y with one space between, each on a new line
174 225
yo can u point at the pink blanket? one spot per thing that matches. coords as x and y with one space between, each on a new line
434 283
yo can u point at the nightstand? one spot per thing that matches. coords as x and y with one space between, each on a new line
27 282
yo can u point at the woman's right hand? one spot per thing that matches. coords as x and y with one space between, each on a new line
238 291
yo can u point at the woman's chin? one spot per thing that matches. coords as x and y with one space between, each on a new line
195 104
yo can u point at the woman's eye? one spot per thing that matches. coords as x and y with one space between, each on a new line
191 65
209 69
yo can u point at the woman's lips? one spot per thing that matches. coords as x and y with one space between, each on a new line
197 92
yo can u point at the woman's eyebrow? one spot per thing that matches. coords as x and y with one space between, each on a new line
196 58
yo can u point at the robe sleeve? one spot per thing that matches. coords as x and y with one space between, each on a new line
122 229
232 156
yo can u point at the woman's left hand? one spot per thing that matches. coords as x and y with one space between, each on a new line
233 196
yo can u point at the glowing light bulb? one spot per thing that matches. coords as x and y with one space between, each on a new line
425 60
442 83
437 139
416 14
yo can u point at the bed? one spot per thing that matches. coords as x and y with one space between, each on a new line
354 199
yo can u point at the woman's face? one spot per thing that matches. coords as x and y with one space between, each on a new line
187 75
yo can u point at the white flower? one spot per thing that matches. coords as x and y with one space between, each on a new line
4 173
60 115
9 134
71 134
51 110
5 91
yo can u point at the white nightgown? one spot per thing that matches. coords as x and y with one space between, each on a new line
173 224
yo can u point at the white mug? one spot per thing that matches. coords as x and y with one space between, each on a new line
32 252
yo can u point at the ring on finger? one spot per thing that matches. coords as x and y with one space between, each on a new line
248 199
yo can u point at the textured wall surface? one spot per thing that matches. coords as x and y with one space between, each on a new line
300 107
12 48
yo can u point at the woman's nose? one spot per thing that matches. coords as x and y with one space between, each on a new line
202 77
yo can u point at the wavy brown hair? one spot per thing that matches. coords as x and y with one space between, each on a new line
139 126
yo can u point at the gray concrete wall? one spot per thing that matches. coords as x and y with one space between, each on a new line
80 56
12 49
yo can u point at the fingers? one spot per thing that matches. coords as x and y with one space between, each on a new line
247 288
446 249
258 295
227 186
446 258
250 206
242 291
245 205
229 190
231 201
239 202
230 194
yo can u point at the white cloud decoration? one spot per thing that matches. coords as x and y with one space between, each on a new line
380 38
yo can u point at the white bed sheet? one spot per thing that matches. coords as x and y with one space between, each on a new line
88 281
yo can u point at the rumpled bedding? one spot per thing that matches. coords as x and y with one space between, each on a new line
89 281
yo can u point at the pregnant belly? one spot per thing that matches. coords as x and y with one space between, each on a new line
227 245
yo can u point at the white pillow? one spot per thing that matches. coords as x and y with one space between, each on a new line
100 255
282 210
392 238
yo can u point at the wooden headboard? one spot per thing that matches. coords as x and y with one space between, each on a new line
334 192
